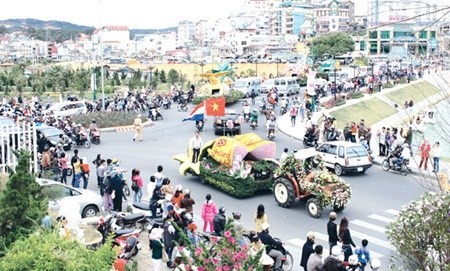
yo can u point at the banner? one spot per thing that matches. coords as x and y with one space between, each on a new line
310 85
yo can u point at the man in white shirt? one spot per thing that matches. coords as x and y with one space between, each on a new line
195 144
284 155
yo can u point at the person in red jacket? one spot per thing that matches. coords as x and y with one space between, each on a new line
425 148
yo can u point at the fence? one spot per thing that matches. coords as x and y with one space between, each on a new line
14 138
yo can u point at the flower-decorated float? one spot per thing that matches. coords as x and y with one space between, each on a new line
303 177
239 165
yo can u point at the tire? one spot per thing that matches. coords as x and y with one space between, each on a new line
314 207
288 263
126 190
338 170
385 165
284 192
404 170
89 211
87 144
135 251
67 148
338 209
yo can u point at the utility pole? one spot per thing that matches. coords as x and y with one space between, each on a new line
101 58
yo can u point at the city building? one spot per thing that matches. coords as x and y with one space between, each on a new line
333 16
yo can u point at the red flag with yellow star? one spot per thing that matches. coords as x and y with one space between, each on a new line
215 106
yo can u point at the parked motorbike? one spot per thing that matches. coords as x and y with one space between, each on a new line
401 165
130 249
95 137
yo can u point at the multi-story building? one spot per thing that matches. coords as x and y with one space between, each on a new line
333 16
112 34
186 32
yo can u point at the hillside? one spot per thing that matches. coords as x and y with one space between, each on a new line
59 31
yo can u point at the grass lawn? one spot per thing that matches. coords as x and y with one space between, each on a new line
415 92
372 111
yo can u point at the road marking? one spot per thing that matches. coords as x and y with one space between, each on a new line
392 211
367 225
298 243
381 218
372 239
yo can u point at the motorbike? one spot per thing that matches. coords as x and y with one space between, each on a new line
401 165
254 124
155 114
247 117
271 134
130 249
166 104
200 125
182 106
288 261
309 144
283 110
95 137
83 142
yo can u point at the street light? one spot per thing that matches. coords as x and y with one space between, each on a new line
335 70
371 66
201 65
354 69
256 63
387 70
150 68
278 62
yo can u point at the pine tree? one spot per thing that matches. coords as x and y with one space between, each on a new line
22 203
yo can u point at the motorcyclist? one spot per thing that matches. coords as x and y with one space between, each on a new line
92 128
246 110
405 154
312 134
199 124
239 229
254 117
271 125
219 221
394 156
272 245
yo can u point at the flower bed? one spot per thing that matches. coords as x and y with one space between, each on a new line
108 119
242 180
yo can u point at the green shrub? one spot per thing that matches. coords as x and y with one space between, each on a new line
108 119
357 95
232 97
388 85
260 178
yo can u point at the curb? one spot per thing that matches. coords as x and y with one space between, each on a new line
124 128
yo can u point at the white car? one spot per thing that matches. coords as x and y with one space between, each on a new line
89 202
344 156
65 109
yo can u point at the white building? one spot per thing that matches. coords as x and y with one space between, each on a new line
112 34
186 32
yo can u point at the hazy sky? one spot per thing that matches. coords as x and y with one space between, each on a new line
131 13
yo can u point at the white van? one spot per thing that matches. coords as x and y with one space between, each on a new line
246 85
67 109
286 85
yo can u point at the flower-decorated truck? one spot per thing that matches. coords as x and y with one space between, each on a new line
302 176
239 165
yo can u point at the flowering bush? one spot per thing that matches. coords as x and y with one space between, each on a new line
108 119
327 187
421 234
223 254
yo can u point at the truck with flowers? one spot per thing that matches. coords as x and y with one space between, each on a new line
239 165
303 177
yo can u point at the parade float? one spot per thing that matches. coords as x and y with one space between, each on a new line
303 177
218 81
239 165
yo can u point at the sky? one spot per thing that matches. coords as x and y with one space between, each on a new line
148 14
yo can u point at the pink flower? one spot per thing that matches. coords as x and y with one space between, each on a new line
227 234
215 260
198 251
218 268
226 268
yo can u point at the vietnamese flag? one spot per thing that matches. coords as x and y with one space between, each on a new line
215 106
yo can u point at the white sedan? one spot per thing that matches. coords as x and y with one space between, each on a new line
63 196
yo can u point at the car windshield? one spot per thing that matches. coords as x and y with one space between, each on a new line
357 151
51 132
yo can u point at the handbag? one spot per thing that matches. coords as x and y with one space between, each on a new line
134 186
165 257
69 172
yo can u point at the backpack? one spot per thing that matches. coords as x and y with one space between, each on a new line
107 185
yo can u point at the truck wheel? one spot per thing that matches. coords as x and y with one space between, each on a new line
338 170
314 207
284 192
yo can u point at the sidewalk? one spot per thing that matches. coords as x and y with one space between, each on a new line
298 131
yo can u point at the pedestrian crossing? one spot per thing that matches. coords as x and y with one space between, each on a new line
373 229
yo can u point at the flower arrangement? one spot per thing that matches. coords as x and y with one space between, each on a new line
240 168
313 177
223 254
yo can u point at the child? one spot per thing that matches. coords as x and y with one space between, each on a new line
363 254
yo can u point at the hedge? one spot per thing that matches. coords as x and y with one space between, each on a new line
108 119
220 177
233 97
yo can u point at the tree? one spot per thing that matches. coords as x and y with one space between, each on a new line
46 250
22 203
332 44
420 233
173 77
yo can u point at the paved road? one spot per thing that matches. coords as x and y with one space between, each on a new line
377 195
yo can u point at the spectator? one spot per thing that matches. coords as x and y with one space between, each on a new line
332 231
436 154
209 210
424 149
260 217
308 249
363 254
315 259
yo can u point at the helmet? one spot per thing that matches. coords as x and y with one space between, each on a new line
237 215
405 145
93 121
187 191
188 217
265 226
375 263
178 188
254 110
353 260
222 210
